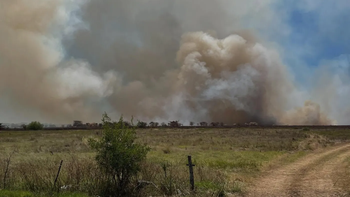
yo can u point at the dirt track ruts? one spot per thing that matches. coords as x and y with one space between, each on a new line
309 176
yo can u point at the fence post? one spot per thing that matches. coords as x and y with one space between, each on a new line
190 165
7 161
58 173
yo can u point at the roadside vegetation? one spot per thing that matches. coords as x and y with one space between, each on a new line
151 162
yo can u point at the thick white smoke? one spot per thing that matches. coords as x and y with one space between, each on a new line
34 72
238 81
62 60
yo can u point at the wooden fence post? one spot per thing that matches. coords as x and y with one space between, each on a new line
58 173
7 161
190 165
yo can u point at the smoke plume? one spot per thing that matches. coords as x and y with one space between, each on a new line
34 75
157 60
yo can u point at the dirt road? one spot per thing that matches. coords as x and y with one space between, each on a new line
310 176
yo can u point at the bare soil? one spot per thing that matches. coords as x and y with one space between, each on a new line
310 176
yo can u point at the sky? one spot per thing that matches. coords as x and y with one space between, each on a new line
319 31
84 57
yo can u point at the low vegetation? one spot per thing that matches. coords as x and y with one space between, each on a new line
34 126
226 159
118 157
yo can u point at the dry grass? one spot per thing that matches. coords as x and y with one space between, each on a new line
226 159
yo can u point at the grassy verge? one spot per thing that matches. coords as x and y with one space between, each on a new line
7 193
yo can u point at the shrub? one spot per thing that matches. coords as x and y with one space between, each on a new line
118 156
24 126
153 124
141 124
35 126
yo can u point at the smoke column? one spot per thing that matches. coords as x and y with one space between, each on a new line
33 73
157 60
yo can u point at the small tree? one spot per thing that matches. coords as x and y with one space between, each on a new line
203 124
174 124
35 125
153 124
118 156
24 126
141 124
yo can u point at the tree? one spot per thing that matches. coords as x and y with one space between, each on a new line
1 126
118 156
153 124
141 124
35 125
24 126
203 124
174 124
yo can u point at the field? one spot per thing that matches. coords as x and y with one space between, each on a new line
228 161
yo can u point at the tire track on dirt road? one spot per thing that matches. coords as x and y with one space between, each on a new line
309 176
319 179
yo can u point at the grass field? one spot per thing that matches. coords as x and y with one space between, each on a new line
226 159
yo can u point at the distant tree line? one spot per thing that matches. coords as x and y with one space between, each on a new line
35 125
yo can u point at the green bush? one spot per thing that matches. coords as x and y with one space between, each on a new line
118 156
35 126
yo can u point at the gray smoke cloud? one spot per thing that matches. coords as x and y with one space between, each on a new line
34 77
157 60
